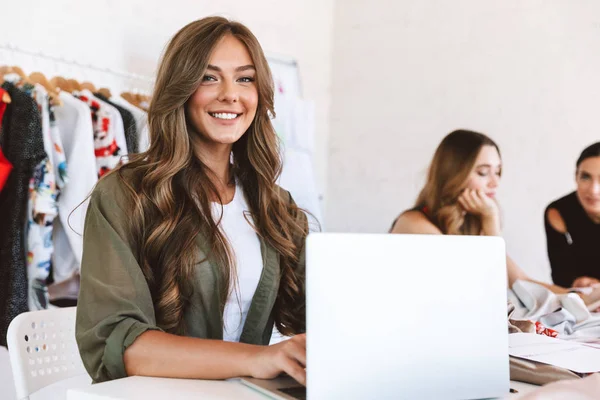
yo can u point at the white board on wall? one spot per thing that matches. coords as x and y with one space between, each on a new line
295 125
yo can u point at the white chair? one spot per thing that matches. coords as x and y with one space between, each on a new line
43 350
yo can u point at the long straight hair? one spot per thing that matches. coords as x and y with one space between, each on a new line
171 188
446 179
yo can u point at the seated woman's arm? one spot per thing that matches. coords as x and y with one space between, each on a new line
515 273
156 353
162 354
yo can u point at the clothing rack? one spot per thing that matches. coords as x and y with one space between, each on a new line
272 58
123 74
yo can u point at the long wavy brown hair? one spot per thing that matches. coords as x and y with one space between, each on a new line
446 179
171 188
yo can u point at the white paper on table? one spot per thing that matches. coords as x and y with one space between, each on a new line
570 355
587 341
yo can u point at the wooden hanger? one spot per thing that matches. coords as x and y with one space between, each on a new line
105 92
130 98
89 86
74 84
5 69
62 84
40 78
139 99
17 70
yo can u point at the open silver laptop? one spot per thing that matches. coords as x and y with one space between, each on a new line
403 317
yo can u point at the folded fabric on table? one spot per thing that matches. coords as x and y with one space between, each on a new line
566 314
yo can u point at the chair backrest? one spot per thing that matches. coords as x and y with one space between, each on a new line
42 349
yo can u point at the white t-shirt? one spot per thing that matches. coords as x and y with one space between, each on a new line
245 246
141 122
75 123
117 124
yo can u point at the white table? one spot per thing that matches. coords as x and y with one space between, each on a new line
137 387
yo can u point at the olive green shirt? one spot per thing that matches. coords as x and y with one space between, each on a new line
115 305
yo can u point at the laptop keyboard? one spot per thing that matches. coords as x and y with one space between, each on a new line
297 392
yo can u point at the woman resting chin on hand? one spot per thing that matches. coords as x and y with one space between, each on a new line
459 196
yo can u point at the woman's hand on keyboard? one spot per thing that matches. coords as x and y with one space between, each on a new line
285 357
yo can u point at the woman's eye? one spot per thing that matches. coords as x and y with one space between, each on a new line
208 78
246 79
482 174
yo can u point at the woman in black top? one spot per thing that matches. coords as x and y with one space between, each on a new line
573 226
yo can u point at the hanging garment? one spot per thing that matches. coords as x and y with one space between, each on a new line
5 165
131 134
117 125
41 200
2 104
141 122
23 146
49 176
5 169
76 129
52 140
57 154
41 211
105 146
49 180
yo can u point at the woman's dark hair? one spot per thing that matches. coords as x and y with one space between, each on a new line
589 152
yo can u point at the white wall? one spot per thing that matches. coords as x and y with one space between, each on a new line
402 75
130 35
406 73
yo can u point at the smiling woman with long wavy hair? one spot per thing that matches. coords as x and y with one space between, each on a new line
192 253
